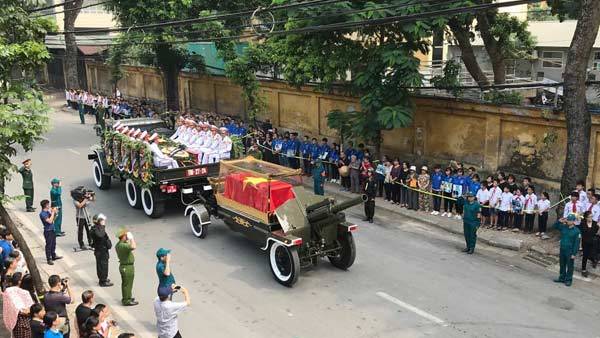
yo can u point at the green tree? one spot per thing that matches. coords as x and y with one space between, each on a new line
504 37
578 117
23 116
169 57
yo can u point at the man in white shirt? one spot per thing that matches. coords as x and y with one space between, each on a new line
166 311
574 206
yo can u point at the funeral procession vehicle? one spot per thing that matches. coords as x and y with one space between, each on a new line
124 155
268 204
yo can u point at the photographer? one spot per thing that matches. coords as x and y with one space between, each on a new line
57 298
166 311
101 244
81 199
47 216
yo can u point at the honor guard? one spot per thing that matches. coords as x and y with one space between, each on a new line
160 159
570 237
226 145
124 249
27 175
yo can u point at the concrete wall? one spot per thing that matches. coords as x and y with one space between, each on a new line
519 140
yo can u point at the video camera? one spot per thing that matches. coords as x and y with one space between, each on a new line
80 193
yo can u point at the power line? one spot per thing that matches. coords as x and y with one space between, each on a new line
329 15
358 24
199 20
71 9
48 7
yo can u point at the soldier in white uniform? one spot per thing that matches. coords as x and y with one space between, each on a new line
196 146
180 128
212 149
226 144
160 159
187 135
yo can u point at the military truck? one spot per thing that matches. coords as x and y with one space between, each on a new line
268 204
146 186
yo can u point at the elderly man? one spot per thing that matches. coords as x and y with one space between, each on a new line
160 159
199 140
226 145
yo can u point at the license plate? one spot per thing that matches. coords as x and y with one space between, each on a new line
187 190
207 187
196 172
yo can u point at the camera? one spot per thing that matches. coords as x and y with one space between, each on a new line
113 322
80 193
177 287
64 281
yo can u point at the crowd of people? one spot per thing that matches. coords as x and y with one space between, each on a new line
103 106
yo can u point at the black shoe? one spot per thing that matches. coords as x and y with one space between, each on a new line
559 280
470 252
30 209
56 258
50 262
106 284
83 247
465 250
371 220
131 303
365 219
584 273
594 264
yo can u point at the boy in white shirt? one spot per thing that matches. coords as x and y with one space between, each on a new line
504 208
593 206
529 209
494 200
517 209
580 188
483 197
575 207
543 205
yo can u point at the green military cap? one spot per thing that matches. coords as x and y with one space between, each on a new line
469 194
54 181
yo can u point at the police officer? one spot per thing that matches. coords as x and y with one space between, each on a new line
101 244
471 221
125 249
569 247
371 191
27 175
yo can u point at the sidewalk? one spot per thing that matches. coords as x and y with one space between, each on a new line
534 249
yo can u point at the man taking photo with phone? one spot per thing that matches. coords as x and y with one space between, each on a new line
166 311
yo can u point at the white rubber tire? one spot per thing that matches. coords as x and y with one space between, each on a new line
292 270
133 194
198 229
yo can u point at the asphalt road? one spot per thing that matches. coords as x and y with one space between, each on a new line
408 280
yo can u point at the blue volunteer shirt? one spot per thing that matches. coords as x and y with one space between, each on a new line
436 180
314 151
305 149
295 145
324 151
474 187
334 156
460 180
7 249
43 216
349 152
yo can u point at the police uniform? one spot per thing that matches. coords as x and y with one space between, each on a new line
27 175
471 222
126 268
371 192
570 237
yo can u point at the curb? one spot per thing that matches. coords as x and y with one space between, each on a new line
491 239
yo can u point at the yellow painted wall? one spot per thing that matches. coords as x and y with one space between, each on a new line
520 140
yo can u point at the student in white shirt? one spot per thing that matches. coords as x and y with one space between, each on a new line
529 209
494 200
593 207
504 209
517 210
580 188
575 207
483 197
543 205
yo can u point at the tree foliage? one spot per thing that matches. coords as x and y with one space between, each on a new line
22 51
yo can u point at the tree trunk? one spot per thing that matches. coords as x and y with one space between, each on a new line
38 283
72 9
172 88
579 120
461 34
493 49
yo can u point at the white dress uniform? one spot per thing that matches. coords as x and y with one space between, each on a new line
226 145
210 146
160 159
178 133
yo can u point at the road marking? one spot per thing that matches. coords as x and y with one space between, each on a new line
121 311
74 151
411 308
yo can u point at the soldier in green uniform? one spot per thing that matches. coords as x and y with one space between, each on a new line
124 250
25 171
471 221
569 247
318 174
56 202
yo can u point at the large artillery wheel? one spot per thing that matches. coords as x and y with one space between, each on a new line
102 181
153 205
284 263
132 192
198 229
346 255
